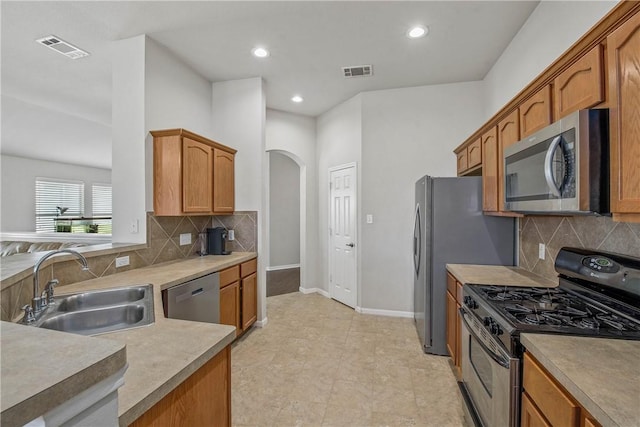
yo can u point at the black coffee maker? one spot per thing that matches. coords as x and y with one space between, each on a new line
216 241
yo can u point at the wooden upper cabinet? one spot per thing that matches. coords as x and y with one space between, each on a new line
535 113
463 163
623 62
197 176
474 154
223 182
490 171
192 175
579 86
508 134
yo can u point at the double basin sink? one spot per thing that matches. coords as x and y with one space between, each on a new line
99 312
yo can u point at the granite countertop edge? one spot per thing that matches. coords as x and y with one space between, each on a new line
133 402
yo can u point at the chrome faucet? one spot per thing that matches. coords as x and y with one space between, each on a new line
40 302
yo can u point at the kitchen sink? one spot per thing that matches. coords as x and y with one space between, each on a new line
86 300
98 320
99 312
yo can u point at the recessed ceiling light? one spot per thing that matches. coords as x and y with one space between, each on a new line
417 32
297 98
260 52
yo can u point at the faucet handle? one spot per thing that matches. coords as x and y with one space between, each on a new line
29 317
48 290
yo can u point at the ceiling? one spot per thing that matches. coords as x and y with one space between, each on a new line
54 107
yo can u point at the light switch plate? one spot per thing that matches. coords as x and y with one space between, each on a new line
185 239
231 235
122 261
133 227
369 219
541 249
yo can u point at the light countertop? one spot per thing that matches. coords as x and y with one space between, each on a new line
603 375
498 275
160 356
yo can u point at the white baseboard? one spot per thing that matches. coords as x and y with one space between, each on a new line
314 291
283 267
262 323
388 313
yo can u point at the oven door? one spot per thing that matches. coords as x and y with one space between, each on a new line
491 377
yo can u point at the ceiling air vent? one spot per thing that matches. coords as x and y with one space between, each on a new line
358 71
61 46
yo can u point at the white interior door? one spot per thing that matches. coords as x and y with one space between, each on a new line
342 235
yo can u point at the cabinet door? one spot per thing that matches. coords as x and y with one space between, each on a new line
535 112
623 61
531 416
451 327
462 161
249 301
197 177
458 360
579 86
167 175
223 182
474 154
508 134
489 173
230 305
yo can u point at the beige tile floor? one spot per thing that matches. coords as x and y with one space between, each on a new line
319 363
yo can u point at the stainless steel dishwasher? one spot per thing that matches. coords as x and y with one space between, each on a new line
197 299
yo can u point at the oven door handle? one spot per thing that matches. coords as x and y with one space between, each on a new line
548 167
498 358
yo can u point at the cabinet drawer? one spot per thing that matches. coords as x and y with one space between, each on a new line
459 292
474 153
229 276
553 402
246 268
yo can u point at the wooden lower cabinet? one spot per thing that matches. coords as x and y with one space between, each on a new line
454 335
547 403
239 295
249 301
230 306
203 399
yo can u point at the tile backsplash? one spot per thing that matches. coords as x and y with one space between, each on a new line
591 232
163 244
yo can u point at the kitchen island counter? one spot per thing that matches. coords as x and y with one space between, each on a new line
602 375
159 356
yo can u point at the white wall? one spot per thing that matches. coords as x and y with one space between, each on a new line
406 133
548 32
295 136
152 90
238 120
18 177
284 210
128 146
339 141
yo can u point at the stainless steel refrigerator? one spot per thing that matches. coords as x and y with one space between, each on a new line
451 229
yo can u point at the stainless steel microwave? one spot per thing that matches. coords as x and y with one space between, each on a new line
561 169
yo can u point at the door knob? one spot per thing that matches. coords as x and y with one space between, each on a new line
351 244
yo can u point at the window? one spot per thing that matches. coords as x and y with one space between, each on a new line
57 199
101 195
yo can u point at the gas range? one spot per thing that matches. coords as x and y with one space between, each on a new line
598 296
589 301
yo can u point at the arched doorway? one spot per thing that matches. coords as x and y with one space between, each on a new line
284 266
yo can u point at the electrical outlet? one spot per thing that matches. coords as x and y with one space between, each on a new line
231 235
122 261
541 249
185 239
369 219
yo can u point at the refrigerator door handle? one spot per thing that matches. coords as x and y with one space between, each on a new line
417 241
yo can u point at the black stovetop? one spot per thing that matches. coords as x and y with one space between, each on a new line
566 309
